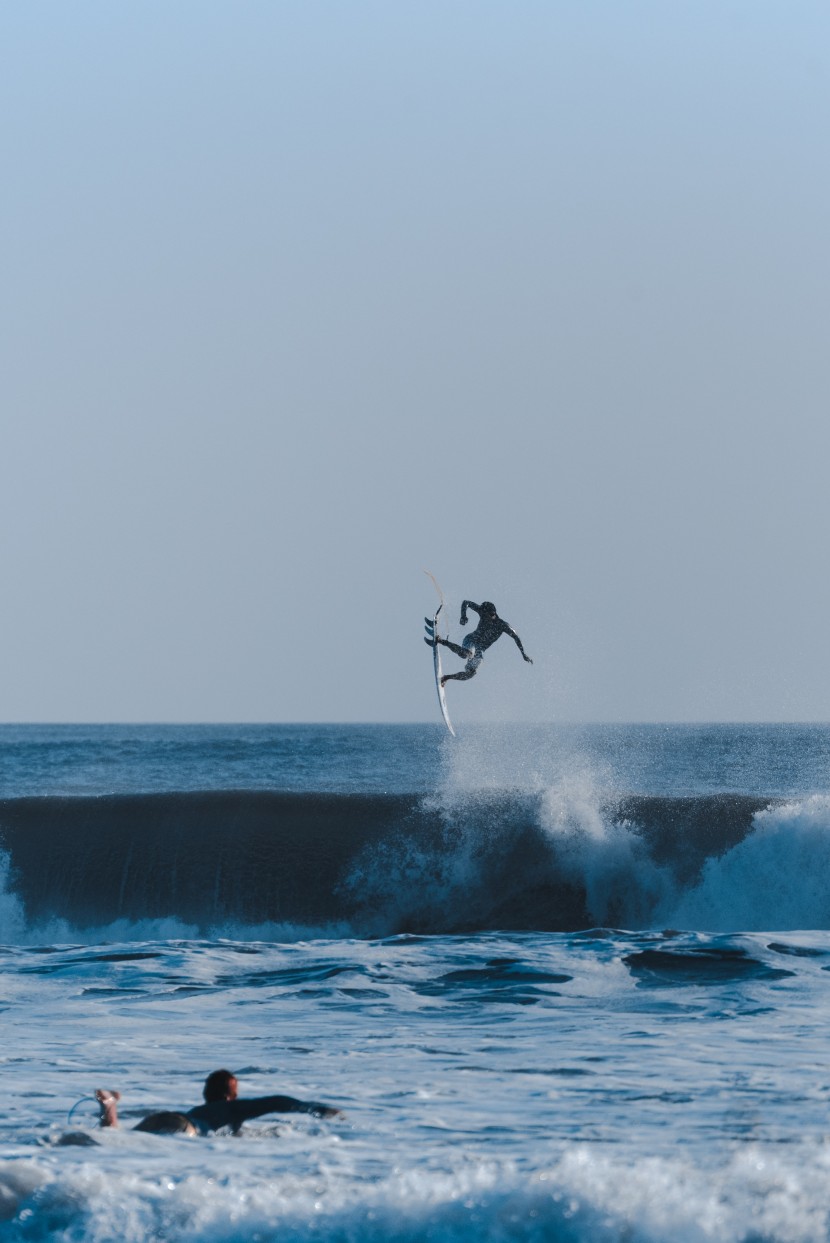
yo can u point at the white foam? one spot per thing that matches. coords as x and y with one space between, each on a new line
606 858
775 879
581 1193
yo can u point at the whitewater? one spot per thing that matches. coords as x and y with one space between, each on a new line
564 982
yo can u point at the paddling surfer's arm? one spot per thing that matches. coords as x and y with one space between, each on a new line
215 1115
259 1105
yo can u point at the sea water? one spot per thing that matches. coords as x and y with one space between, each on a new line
564 983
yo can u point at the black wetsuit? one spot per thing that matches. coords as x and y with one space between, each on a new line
490 627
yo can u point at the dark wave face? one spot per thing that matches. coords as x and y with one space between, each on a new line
700 965
366 864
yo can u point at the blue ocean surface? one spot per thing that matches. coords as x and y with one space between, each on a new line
564 982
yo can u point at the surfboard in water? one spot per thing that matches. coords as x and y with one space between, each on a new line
432 634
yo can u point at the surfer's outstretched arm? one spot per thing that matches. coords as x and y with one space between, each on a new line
509 630
256 1106
216 1115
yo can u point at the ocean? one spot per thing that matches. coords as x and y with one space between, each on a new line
564 982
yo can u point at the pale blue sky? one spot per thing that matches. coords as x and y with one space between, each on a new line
299 298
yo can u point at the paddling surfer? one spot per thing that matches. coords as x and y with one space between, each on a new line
490 628
222 1110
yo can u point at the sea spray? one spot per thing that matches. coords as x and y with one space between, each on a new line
606 858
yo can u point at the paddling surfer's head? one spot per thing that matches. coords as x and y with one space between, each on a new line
220 1085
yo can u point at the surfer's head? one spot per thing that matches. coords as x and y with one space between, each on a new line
488 608
220 1085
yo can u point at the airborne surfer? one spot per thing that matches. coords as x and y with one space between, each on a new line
490 627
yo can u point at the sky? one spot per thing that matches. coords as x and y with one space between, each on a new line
299 299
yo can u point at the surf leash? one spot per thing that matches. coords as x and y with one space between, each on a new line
83 1099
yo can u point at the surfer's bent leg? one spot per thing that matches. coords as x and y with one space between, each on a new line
464 652
469 670
463 676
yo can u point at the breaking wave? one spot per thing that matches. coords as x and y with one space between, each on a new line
284 866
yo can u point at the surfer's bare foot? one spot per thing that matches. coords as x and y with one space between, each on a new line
109 1106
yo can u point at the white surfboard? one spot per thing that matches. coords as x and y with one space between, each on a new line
432 634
